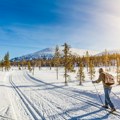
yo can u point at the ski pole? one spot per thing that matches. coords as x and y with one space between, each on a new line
115 95
98 93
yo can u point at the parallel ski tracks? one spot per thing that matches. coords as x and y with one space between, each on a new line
49 110
89 102
31 109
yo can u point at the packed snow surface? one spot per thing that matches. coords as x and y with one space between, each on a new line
40 96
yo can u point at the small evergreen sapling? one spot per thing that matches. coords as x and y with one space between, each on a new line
80 74
57 60
91 70
29 66
6 62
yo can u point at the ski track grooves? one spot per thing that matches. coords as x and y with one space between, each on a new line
66 112
68 93
45 103
89 102
32 111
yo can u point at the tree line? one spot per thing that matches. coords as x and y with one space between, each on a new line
69 61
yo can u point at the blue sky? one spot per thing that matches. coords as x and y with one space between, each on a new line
30 25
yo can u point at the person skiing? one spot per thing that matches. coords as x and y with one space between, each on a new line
107 90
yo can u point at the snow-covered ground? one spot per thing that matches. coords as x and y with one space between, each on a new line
24 96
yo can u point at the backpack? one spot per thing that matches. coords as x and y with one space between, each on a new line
109 79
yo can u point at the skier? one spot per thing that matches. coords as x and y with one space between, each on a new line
107 90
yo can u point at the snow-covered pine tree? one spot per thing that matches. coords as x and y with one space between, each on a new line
91 70
118 70
80 74
57 60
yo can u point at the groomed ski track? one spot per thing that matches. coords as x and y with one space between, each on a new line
45 101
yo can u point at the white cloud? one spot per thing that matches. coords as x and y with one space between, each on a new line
102 26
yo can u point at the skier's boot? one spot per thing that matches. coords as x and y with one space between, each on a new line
105 106
112 110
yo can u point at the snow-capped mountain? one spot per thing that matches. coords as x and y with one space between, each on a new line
117 51
49 53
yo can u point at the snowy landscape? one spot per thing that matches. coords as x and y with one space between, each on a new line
41 96
59 59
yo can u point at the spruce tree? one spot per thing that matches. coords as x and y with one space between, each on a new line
80 74
7 62
66 60
33 66
70 63
57 60
29 66
87 59
2 64
91 70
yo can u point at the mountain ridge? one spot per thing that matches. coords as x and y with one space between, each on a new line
49 53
